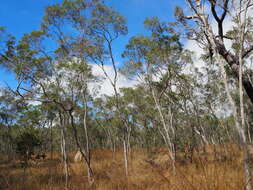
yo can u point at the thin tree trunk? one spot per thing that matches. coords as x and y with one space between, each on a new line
241 132
88 163
166 135
125 157
64 150
242 24
248 130
84 155
51 139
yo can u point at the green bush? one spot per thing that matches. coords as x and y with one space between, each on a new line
26 142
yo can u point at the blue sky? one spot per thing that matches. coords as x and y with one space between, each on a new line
23 16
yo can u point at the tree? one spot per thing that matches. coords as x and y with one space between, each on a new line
242 45
26 142
158 60
203 31
95 33
94 26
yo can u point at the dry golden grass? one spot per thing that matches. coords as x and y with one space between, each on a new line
212 169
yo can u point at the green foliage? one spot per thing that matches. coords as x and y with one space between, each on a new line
82 33
161 50
26 143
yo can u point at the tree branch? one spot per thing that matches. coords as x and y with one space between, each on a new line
247 52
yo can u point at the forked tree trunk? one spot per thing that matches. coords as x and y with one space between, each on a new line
80 148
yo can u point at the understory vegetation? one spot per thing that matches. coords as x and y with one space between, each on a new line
214 167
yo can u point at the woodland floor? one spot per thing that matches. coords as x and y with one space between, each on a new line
214 169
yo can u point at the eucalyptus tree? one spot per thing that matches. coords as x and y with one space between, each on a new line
50 113
139 113
158 60
32 120
72 80
29 61
91 27
114 112
10 108
140 110
210 16
18 116
211 32
77 30
107 120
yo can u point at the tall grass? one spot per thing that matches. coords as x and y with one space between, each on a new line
212 168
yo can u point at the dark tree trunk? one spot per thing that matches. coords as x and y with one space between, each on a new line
233 62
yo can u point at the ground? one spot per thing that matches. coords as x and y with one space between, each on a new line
215 168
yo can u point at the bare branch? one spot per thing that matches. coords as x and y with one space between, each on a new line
191 17
225 8
247 52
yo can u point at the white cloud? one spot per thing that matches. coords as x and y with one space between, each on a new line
105 85
34 103
193 46
97 88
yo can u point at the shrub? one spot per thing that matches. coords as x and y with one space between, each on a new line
26 142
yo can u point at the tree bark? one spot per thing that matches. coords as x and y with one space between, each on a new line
84 155
233 62
241 132
64 150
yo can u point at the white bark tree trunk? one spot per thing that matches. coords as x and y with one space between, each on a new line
88 162
241 132
217 46
165 133
64 150
242 24
125 157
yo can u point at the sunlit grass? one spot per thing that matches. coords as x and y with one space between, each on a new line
212 169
